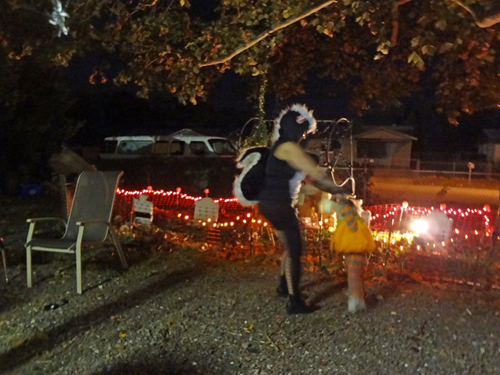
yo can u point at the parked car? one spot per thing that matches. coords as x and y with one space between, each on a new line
182 143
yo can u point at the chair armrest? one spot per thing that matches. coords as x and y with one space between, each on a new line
33 221
36 219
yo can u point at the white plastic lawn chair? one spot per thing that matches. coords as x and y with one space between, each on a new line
88 221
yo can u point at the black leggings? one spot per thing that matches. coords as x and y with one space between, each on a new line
283 218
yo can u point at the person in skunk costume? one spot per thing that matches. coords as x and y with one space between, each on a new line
271 178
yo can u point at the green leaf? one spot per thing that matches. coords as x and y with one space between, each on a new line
417 60
415 41
441 25
446 47
428 50
411 57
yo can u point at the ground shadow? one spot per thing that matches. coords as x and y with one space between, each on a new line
332 288
83 322
147 365
101 258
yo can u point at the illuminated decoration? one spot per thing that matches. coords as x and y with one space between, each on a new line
169 201
464 219
58 18
439 226
142 210
176 205
419 226
239 233
213 235
206 209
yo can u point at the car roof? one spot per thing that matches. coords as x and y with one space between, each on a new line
163 138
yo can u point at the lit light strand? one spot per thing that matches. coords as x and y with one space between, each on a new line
474 221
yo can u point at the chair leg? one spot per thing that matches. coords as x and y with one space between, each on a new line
118 246
79 268
28 265
4 260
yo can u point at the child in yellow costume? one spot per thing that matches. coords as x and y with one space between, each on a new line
353 238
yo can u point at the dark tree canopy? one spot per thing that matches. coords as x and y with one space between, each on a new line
381 50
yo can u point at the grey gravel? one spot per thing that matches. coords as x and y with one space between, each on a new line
184 313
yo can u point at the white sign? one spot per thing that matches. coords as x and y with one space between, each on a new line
143 210
205 209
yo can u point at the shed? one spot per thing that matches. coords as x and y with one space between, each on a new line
385 146
382 146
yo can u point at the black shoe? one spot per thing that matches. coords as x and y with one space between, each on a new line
296 305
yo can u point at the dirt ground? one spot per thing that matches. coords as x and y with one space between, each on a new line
183 312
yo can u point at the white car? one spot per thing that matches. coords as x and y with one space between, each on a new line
182 143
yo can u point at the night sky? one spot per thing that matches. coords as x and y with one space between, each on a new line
110 110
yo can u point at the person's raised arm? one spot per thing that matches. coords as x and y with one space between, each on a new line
301 161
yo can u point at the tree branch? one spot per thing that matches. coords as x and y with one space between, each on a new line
267 33
395 21
478 13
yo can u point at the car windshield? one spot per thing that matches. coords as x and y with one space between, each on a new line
135 147
222 147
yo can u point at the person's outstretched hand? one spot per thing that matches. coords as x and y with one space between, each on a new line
327 185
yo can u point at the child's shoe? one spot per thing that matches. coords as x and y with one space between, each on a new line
355 304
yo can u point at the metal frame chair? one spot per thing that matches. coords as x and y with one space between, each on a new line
88 221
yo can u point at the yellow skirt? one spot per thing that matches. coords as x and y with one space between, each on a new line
344 240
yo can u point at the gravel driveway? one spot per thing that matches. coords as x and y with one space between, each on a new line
184 312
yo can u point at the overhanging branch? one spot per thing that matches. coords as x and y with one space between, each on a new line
481 19
395 21
267 33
